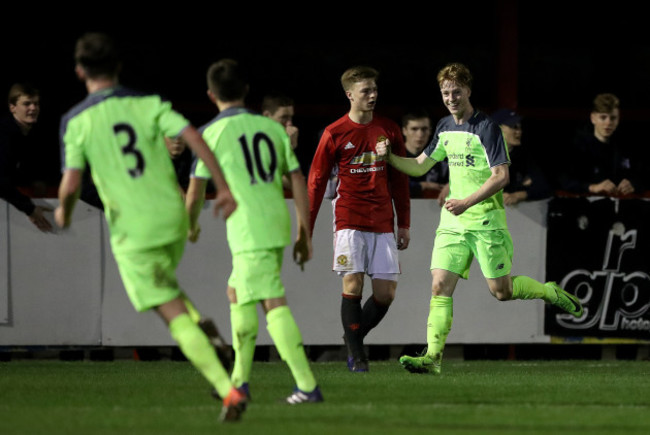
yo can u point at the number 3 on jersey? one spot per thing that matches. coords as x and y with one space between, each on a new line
267 175
129 148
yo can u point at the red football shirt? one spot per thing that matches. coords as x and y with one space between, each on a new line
367 186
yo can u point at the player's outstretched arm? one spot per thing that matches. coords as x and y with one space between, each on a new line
302 249
69 190
224 200
414 166
194 203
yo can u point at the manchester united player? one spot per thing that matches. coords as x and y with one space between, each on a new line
364 224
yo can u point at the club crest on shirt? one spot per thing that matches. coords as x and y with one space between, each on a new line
342 260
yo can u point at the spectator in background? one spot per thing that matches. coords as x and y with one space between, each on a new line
527 182
280 108
600 161
182 159
416 128
21 156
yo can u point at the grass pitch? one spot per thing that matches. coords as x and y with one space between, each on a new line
170 397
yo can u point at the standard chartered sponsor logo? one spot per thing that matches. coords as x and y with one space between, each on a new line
456 159
459 159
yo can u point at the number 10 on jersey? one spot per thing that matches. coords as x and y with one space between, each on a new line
253 157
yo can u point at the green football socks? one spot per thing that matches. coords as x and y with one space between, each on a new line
197 349
288 341
244 324
524 287
441 312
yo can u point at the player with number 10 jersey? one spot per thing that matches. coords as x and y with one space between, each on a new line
254 152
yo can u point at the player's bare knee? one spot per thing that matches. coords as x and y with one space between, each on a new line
501 288
501 292
271 304
353 284
353 291
438 289
385 298
383 290
502 295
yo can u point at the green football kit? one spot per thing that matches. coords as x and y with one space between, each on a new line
255 152
120 134
481 231
472 149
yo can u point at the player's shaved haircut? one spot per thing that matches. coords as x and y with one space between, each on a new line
226 80
97 54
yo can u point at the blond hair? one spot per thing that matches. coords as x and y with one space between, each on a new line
457 73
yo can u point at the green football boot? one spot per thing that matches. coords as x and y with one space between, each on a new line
422 364
566 300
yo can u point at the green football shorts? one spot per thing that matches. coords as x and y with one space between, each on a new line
256 275
149 275
454 252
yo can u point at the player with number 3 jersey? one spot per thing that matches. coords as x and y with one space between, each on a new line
120 133
105 128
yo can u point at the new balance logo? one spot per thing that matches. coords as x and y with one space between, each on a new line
349 146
